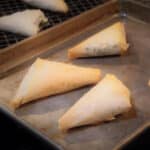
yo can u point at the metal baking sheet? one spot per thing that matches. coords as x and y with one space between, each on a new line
10 6
45 42
132 69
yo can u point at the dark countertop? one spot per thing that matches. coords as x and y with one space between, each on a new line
16 137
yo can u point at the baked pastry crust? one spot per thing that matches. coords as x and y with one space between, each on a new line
25 22
107 99
110 41
45 78
53 5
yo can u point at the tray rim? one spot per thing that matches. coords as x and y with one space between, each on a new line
21 122
127 139
36 43
139 3
32 47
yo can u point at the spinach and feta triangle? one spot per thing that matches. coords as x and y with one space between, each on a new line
45 78
54 5
25 22
107 99
110 41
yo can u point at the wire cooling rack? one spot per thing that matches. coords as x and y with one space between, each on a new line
11 6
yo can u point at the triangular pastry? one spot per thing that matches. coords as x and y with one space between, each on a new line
45 78
110 41
107 99
25 22
54 5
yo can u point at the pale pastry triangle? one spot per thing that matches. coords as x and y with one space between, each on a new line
149 82
45 78
110 41
25 22
107 99
54 5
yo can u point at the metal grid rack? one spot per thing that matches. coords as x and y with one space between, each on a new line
11 6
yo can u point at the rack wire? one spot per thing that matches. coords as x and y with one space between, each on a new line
12 6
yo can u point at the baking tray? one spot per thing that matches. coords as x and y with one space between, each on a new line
10 6
132 69
137 140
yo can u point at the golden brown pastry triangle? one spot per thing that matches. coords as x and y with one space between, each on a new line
27 22
54 5
107 99
110 41
46 78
